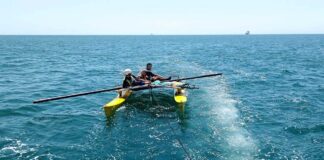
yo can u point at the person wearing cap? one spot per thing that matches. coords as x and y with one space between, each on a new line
130 79
147 74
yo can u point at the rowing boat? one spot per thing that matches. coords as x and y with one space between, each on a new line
180 96
179 87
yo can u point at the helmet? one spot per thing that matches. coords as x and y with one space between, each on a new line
127 71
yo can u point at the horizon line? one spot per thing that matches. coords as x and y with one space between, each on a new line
152 34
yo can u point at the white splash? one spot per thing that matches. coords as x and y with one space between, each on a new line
16 147
225 117
238 140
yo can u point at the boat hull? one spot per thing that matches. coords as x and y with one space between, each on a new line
180 97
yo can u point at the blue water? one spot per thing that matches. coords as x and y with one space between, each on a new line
269 104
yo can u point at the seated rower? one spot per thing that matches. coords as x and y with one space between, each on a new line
149 75
130 80
143 77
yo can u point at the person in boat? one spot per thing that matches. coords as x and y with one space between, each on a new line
148 75
153 79
143 77
131 80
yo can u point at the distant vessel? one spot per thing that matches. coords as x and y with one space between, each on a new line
247 32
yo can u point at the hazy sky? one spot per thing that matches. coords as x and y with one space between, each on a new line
161 16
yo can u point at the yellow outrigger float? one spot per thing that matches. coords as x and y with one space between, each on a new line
113 105
180 96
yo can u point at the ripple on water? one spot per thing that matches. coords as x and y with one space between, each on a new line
16 149
304 130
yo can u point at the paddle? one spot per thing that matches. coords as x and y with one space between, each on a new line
203 76
75 95
136 88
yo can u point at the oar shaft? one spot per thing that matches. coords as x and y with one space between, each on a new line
117 88
75 95
188 78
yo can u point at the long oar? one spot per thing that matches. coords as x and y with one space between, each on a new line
75 95
135 88
117 88
203 76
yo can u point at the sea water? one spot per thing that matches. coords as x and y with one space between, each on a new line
269 103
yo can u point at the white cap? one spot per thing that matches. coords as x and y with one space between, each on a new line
127 71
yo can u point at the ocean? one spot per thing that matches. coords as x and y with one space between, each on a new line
268 104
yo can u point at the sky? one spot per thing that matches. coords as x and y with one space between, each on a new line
160 17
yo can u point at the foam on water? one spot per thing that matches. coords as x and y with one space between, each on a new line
238 140
224 114
16 148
